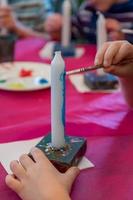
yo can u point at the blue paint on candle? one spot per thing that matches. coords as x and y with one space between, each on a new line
62 79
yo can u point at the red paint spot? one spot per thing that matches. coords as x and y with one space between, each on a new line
24 73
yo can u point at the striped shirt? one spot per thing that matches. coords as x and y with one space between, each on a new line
29 12
55 6
87 17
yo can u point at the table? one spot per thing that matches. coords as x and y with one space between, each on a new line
104 119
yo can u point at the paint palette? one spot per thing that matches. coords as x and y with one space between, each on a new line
24 76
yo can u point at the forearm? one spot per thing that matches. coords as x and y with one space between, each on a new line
127 88
23 31
63 197
60 197
59 193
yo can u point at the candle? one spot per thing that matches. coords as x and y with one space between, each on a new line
101 30
101 35
58 101
66 26
3 3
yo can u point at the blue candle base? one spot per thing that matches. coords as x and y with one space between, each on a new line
67 156
100 82
65 51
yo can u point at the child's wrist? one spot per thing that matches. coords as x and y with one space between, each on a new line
58 193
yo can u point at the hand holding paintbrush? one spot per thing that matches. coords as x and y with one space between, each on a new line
95 67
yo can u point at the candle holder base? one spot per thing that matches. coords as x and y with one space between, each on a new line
67 156
65 51
7 47
100 82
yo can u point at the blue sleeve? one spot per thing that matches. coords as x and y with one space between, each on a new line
49 7
84 24
129 38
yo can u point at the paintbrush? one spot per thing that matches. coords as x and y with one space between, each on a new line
84 69
91 68
127 31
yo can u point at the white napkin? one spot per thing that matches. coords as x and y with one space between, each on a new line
78 82
47 51
13 150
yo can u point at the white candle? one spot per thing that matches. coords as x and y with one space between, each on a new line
101 35
66 26
58 101
2 4
101 30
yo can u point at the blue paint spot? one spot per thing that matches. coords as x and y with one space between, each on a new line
62 79
40 80
43 81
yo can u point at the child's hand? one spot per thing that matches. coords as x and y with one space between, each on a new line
39 179
114 29
112 54
7 18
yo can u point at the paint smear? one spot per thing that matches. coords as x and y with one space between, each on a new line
25 73
43 81
2 81
40 81
62 79
16 86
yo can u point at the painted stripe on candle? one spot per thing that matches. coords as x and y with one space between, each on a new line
62 79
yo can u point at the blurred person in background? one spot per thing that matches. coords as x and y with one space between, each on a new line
53 21
23 18
118 14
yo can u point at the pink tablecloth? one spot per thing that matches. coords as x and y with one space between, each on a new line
104 119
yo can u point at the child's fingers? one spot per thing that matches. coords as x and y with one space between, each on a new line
17 169
13 183
72 173
110 53
39 156
111 70
121 71
26 161
70 176
125 52
113 53
100 54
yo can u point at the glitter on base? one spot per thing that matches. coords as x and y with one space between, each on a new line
66 156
